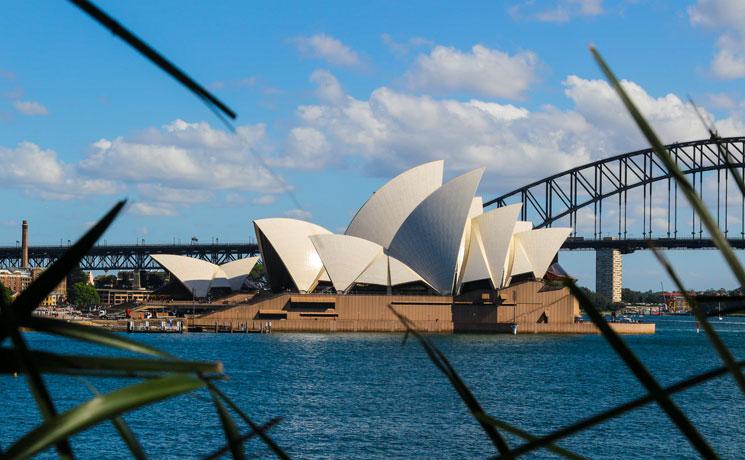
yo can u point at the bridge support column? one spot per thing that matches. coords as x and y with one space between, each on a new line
609 273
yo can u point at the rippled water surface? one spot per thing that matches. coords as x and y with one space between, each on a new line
367 396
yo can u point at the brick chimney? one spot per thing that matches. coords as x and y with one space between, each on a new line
24 244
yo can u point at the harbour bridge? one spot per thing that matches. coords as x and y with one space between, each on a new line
615 205
626 202
129 256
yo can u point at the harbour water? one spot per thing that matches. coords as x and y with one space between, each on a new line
369 396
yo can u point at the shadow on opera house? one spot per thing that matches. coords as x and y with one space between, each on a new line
426 248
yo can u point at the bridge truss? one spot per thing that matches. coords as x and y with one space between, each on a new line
633 191
128 257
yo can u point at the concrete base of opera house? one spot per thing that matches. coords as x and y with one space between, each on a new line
528 305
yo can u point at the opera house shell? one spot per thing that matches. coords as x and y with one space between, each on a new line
200 277
414 234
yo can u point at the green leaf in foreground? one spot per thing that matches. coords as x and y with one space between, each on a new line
617 411
716 341
696 202
443 364
643 375
92 334
103 365
243 438
98 409
123 429
232 435
254 427
33 295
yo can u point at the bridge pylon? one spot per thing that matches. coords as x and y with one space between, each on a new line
609 273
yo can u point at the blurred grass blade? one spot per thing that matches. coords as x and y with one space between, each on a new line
129 438
69 364
92 334
529 437
442 363
98 409
642 374
724 153
123 429
266 439
153 56
33 377
50 278
243 438
696 203
232 435
617 411
716 341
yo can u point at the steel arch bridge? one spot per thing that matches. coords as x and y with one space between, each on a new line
612 188
129 257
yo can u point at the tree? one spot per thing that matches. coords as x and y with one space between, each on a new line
84 295
7 294
599 301
258 271
76 275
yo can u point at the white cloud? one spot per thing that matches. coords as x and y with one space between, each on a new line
40 173
264 200
329 49
728 18
484 71
31 108
391 131
328 88
298 214
183 155
722 101
173 195
557 11
151 209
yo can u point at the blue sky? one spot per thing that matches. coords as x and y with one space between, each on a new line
338 97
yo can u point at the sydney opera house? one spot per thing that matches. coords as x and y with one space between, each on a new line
414 235
425 248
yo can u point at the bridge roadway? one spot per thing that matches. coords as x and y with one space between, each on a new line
137 257
128 257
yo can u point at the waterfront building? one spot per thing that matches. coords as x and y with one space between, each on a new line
425 249
18 280
110 296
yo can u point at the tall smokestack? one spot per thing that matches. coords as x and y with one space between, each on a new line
24 244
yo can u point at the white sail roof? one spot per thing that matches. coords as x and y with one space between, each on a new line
476 267
345 257
430 237
380 217
195 274
520 261
290 240
237 271
540 247
522 226
400 273
477 208
386 270
495 230
376 272
491 235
